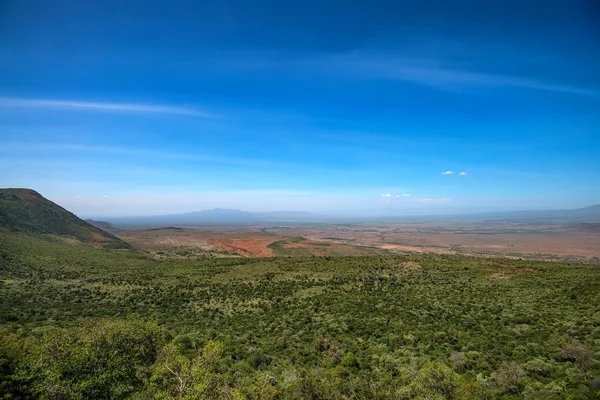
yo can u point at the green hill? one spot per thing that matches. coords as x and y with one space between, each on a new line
26 211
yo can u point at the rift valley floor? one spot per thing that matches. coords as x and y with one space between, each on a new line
570 242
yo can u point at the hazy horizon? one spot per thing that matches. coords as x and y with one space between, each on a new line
348 214
337 108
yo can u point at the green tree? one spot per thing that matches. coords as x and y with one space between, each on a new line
434 380
510 377
101 360
577 353
11 351
175 376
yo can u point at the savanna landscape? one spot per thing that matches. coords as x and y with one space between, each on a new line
299 200
238 313
567 241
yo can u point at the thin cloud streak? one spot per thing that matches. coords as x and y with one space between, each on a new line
96 106
140 152
453 79
433 200
29 149
432 72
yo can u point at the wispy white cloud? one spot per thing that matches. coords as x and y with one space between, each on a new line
454 79
406 195
443 74
137 152
463 173
386 195
28 152
447 173
434 200
98 106
438 74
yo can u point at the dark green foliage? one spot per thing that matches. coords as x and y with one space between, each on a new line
299 246
176 376
25 210
11 353
389 327
105 360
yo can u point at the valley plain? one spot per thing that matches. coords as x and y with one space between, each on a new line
569 242
79 321
490 238
294 311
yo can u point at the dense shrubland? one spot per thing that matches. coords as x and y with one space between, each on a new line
81 322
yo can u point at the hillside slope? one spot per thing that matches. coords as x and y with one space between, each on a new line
103 225
26 211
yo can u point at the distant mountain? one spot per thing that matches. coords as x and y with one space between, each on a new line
585 214
568 216
216 216
26 211
588 211
222 216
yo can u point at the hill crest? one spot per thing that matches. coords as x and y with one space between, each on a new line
27 211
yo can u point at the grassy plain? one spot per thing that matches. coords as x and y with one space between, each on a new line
306 327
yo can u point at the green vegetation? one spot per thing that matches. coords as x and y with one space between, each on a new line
25 210
80 322
338 238
299 246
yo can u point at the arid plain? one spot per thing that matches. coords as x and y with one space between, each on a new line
574 242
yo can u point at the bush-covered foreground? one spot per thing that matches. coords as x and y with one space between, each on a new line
85 323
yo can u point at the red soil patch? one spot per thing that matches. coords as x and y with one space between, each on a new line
248 246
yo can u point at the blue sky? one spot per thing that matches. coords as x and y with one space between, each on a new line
149 107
